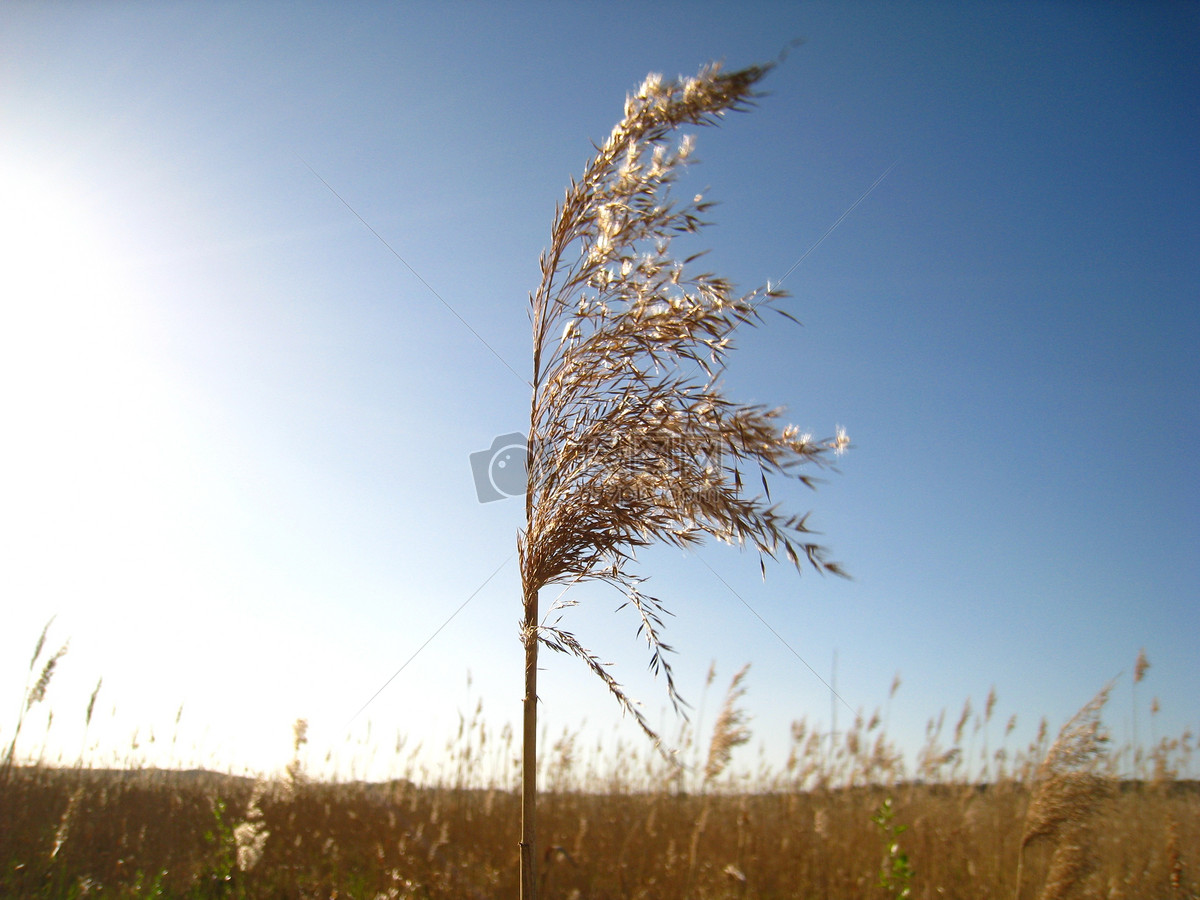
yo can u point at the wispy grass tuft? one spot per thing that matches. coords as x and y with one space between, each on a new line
732 728
1069 788
31 696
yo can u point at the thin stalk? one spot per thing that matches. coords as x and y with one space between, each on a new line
529 751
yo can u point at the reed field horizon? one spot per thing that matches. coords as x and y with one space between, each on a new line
978 741
1068 814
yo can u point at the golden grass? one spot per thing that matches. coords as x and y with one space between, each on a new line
622 823
1069 791
632 441
124 830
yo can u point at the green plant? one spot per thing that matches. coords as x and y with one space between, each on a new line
148 886
896 871
631 439
217 880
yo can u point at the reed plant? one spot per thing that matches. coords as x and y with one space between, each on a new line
632 440
35 693
1070 787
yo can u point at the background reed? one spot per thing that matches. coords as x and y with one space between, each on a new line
1063 817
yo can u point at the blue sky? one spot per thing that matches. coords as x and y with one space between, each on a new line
238 428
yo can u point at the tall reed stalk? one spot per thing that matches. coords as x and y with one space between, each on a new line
631 438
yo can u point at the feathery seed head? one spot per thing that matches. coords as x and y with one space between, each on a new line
38 692
651 87
1069 785
731 729
841 441
633 441
1141 666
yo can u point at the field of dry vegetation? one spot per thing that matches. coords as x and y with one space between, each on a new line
1062 817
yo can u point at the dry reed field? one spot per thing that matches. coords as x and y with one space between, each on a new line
1062 817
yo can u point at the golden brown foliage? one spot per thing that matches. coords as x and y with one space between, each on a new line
125 829
616 823
632 441
1069 790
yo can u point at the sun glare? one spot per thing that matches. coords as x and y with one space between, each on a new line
106 496
81 409
68 362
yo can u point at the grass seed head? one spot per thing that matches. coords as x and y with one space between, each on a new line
632 441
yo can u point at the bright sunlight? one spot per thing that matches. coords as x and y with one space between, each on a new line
74 400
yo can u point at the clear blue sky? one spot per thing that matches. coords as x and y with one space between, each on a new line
236 428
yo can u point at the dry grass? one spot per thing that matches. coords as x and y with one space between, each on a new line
731 729
1070 789
632 441
621 823
33 695
125 831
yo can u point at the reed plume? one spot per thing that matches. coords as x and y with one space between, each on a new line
32 695
1140 667
1068 790
732 728
631 439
